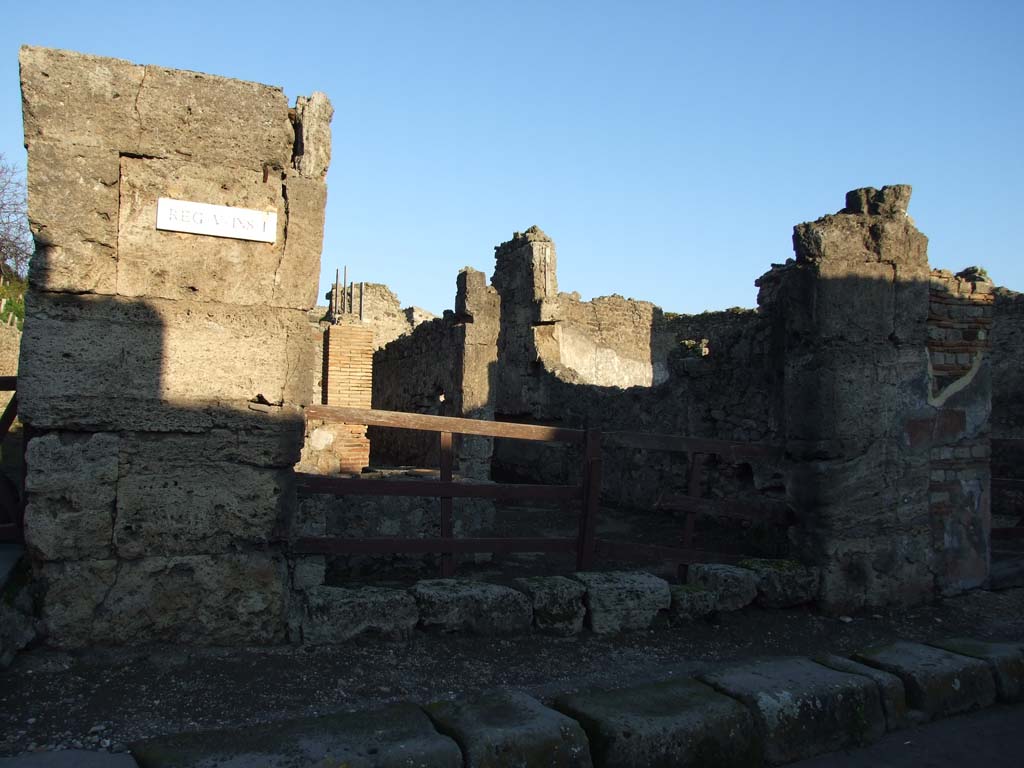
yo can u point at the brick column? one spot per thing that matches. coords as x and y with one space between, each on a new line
959 324
348 382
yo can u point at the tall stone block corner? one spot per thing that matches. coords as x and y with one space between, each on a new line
166 349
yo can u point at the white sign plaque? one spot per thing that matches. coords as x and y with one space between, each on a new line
216 220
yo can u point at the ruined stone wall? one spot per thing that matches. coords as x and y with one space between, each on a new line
161 371
445 367
1008 402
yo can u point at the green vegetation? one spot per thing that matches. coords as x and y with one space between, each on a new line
13 293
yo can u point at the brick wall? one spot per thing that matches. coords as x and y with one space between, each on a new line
959 328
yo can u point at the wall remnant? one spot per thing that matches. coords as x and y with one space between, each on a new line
162 372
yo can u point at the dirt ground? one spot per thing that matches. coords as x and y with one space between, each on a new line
104 699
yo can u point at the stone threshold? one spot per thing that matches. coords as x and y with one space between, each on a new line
754 713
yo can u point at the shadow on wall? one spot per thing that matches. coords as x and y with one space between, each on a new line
156 510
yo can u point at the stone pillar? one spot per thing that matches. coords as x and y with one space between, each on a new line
525 276
851 316
959 328
162 371
348 382
478 316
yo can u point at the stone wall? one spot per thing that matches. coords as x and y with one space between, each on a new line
161 372
1008 401
445 367
959 354
10 346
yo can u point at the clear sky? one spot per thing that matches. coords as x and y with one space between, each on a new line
667 147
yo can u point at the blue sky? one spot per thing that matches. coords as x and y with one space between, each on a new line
667 147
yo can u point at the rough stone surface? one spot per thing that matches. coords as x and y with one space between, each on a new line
690 602
508 728
485 609
336 614
802 709
619 601
17 625
783 583
119 359
1006 660
664 725
161 372
221 599
72 483
557 603
938 683
735 587
398 736
70 758
890 687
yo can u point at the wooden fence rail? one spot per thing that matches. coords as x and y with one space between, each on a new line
586 545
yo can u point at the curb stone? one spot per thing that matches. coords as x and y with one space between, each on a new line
802 709
623 600
1006 660
501 728
398 735
681 722
937 682
736 587
890 688
776 710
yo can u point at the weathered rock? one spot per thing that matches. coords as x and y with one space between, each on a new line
17 625
890 687
619 601
397 735
508 728
221 599
308 571
110 363
93 101
691 602
202 508
1006 661
70 758
938 683
677 723
484 609
557 603
336 614
71 482
735 587
313 134
802 709
73 215
783 583
214 269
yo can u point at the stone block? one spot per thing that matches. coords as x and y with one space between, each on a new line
337 614
308 571
484 609
802 709
94 101
508 728
202 509
73 201
619 601
313 115
1005 660
690 602
736 587
783 583
189 267
396 735
155 365
71 482
938 683
890 687
203 599
557 603
664 725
